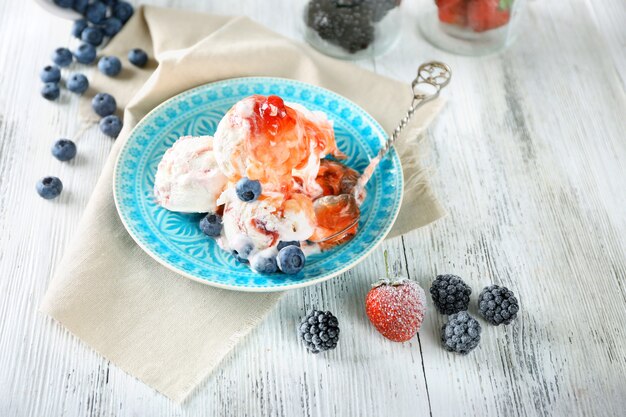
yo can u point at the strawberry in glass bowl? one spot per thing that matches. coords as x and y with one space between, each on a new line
472 27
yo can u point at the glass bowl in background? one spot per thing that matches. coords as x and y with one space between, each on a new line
472 27
352 29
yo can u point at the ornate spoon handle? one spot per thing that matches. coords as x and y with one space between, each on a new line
433 75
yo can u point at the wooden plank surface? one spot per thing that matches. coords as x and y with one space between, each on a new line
530 159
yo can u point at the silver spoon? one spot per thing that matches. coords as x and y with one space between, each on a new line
433 76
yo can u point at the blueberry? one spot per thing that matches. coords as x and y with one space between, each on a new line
62 57
291 259
50 91
239 258
49 187
85 53
96 12
110 65
66 4
80 6
211 224
78 27
92 35
110 2
243 252
103 104
123 11
111 125
283 244
248 190
77 83
50 74
264 265
112 26
138 57
64 149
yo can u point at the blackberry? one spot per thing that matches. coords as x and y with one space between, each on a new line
320 18
461 333
450 294
319 331
348 3
346 23
357 38
380 8
498 305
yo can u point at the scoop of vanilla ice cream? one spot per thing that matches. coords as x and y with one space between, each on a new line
246 145
188 178
232 132
252 227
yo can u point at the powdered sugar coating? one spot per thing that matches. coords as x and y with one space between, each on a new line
396 309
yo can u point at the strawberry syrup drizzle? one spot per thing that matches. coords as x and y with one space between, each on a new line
335 178
333 217
262 228
280 142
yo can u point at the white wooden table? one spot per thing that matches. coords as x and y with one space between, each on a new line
530 159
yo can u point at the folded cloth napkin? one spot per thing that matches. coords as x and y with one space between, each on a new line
168 331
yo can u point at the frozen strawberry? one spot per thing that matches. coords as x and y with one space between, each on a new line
396 308
453 11
485 15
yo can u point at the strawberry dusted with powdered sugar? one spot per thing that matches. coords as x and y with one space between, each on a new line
396 308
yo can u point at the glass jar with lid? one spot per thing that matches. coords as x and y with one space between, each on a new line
471 27
352 29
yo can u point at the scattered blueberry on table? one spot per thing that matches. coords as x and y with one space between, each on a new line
85 53
62 57
49 187
319 331
112 26
290 260
92 35
123 11
100 19
248 190
96 12
64 150
103 104
50 91
50 74
110 65
111 125
78 27
77 83
138 57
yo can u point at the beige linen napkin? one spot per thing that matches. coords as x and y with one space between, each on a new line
168 331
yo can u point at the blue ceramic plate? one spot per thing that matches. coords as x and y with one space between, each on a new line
175 240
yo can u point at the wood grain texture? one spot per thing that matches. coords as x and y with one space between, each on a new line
529 158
